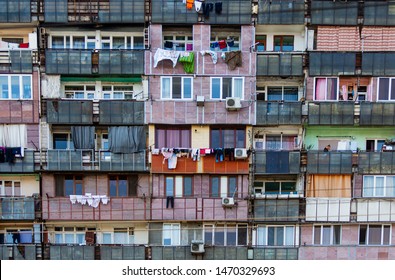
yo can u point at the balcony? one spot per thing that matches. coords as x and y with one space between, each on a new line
113 112
172 11
16 11
332 63
16 61
276 210
278 113
19 111
117 208
281 12
273 253
17 208
331 113
103 11
20 165
233 12
211 253
198 209
375 210
18 252
89 160
71 252
328 209
69 112
334 13
80 62
279 64
376 162
379 13
377 114
336 162
277 162
378 63
206 164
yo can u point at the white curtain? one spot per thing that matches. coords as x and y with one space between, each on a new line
368 185
238 87
13 135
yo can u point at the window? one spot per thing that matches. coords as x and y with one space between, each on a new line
326 89
15 87
223 186
70 235
282 93
73 42
227 138
374 234
126 42
225 235
73 185
282 187
379 186
283 43
62 141
374 145
176 88
280 142
261 39
104 147
275 236
386 89
119 236
171 235
178 42
178 186
10 188
327 235
173 137
225 42
117 92
79 91
20 236
122 186
221 88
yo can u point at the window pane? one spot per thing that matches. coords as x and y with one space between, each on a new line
374 235
165 87
113 187
176 87
187 87
287 187
383 88
379 186
362 234
60 141
57 42
317 235
78 188
231 236
240 138
215 188
4 87
122 187
229 138
15 88
106 238
288 43
280 236
289 236
69 186
215 88
336 235
238 87
226 87
169 186
242 235
219 237
272 187
274 93
271 236
290 93
332 89
232 186
118 43
208 235
326 235
368 186
78 43
261 236
215 139
187 186
27 89
138 43
386 235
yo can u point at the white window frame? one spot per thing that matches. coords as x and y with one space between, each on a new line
282 93
382 235
59 236
214 229
71 93
171 232
129 233
178 42
262 186
233 94
126 94
375 192
391 80
13 191
326 87
261 139
21 89
169 96
262 235
331 235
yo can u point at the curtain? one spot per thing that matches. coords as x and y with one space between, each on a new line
126 139
369 93
238 87
344 92
329 186
83 137
320 88
13 135
332 89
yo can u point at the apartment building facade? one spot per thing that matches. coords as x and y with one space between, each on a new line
155 130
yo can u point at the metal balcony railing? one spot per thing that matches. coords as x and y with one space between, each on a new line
336 162
278 113
281 12
16 61
69 112
377 114
277 162
17 208
376 162
15 11
276 210
279 64
331 113
23 164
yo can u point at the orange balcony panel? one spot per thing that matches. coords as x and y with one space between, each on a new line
184 165
227 166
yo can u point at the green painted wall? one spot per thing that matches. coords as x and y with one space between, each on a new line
358 134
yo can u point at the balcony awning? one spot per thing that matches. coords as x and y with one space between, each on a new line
103 79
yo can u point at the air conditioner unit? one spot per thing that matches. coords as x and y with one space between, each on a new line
197 246
228 201
233 103
200 100
241 153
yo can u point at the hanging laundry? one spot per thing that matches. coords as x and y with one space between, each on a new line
214 56
214 45
222 44
189 47
189 4
218 8
168 45
188 61
172 162
162 54
198 6
233 59
230 42
2 154
207 8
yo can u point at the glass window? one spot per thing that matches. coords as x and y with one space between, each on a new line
374 234
221 88
62 141
275 236
172 137
73 185
282 93
225 235
118 186
187 187
283 43
176 88
386 89
215 187
224 42
327 235
15 87
171 234
379 186
261 39
326 89
178 42
10 188
227 138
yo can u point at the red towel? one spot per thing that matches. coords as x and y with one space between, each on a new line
24 45
222 44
